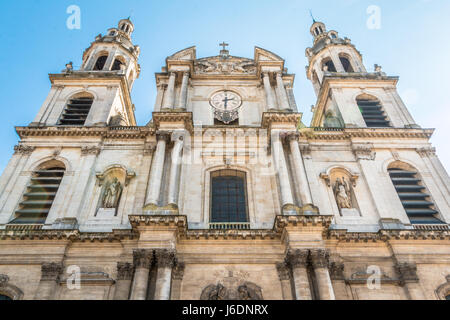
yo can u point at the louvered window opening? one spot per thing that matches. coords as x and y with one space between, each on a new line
39 197
373 114
76 112
414 197
228 197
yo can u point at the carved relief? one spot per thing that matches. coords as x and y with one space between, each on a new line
230 66
23 149
246 291
364 152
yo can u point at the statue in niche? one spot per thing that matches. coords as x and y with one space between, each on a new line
343 194
112 194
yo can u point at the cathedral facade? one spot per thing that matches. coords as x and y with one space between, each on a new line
225 194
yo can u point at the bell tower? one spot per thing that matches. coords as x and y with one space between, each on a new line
348 95
98 94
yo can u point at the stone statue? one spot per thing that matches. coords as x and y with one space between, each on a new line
218 292
343 194
112 194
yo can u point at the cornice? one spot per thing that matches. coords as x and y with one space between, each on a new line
349 133
388 235
103 132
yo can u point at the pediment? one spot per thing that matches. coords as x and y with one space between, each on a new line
265 55
187 54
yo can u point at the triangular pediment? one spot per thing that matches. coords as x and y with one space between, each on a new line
188 54
262 55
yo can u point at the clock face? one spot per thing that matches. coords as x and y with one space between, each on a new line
226 101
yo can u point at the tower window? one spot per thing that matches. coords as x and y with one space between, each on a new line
76 111
328 65
40 194
228 197
414 197
346 64
100 64
116 65
373 113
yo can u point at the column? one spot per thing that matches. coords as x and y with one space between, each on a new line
285 279
319 260
268 89
336 270
281 168
177 278
407 273
291 97
300 172
169 101
159 97
165 260
298 261
282 94
184 91
142 260
156 172
50 273
125 272
174 177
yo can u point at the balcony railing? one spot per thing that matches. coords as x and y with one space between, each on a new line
230 226
432 227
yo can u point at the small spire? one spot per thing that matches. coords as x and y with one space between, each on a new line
312 17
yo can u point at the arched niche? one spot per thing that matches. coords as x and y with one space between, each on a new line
443 291
7 290
112 181
342 183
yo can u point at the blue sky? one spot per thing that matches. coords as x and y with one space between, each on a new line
411 43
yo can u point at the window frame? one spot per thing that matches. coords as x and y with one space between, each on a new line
237 173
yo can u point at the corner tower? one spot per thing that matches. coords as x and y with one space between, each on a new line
348 95
98 94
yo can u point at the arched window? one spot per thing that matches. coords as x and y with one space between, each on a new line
77 110
328 63
117 64
372 112
4 298
40 194
346 64
412 193
100 64
229 197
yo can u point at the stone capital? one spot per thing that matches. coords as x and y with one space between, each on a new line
163 136
336 271
283 271
125 271
142 258
94 150
23 149
297 258
407 272
178 271
165 258
51 271
319 258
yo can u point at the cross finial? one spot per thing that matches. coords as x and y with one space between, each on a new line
224 45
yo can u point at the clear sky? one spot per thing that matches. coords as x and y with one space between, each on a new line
412 42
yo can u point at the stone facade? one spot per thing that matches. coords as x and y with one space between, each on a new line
131 215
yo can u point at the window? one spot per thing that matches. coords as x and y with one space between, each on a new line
228 197
100 64
413 195
346 64
40 194
116 65
329 65
4 298
77 111
372 112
